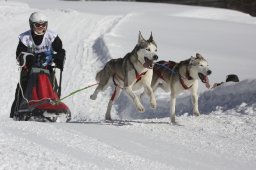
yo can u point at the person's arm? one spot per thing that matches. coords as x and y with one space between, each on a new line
20 48
59 57
30 59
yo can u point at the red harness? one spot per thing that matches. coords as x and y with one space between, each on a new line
182 81
138 78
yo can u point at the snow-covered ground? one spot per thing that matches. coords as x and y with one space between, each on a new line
223 137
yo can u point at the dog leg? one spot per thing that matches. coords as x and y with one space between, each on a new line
107 115
94 95
195 99
172 108
165 87
101 87
135 99
114 96
154 84
142 94
160 84
195 104
150 93
153 87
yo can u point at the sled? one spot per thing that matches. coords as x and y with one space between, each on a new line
37 101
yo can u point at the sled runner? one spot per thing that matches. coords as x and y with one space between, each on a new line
37 95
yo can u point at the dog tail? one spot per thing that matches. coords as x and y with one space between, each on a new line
99 75
104 74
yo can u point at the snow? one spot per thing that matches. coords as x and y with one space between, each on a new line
223 137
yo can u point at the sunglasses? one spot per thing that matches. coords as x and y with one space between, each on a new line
42 24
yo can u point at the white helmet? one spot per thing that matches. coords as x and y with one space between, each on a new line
37 17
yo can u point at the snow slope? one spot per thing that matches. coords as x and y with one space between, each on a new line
223 137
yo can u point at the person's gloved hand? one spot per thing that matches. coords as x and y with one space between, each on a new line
27 58
59 59
48 58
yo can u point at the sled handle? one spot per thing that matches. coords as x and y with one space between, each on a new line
59 90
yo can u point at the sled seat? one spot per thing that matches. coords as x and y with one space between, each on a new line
39 70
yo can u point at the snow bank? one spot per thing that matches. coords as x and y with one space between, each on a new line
239 97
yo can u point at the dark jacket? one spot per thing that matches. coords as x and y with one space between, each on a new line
59 55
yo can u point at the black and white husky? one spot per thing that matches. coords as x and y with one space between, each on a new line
177 77
130 73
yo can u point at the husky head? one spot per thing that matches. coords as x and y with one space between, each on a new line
146 51
199 68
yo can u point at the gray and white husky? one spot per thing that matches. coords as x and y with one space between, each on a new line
130 73
177 77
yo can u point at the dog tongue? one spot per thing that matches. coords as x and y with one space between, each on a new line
207 82
147 65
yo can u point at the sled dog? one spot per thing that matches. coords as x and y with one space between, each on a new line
177 77
129 73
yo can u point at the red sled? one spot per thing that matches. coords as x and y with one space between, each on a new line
39 101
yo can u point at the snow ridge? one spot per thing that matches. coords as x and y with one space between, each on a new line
239 97
225 97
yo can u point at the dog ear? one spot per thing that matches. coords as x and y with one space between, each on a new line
141 39
198 55
151 38
192 60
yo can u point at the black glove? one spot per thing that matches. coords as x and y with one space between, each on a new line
59 59
59 63
28 57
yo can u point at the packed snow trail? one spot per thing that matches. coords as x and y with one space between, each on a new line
143 144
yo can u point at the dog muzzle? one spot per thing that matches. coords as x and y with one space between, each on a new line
149 63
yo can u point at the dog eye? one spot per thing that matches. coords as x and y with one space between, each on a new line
147 49
155 50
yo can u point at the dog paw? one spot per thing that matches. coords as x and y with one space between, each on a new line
196 113
108 118
173 120
173 123
153 104
140 108
92 97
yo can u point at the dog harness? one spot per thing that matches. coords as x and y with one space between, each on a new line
169 65
187 77
137 75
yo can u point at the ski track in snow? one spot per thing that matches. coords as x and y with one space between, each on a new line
84 144
75 146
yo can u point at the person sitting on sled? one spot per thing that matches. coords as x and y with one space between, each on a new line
37 47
